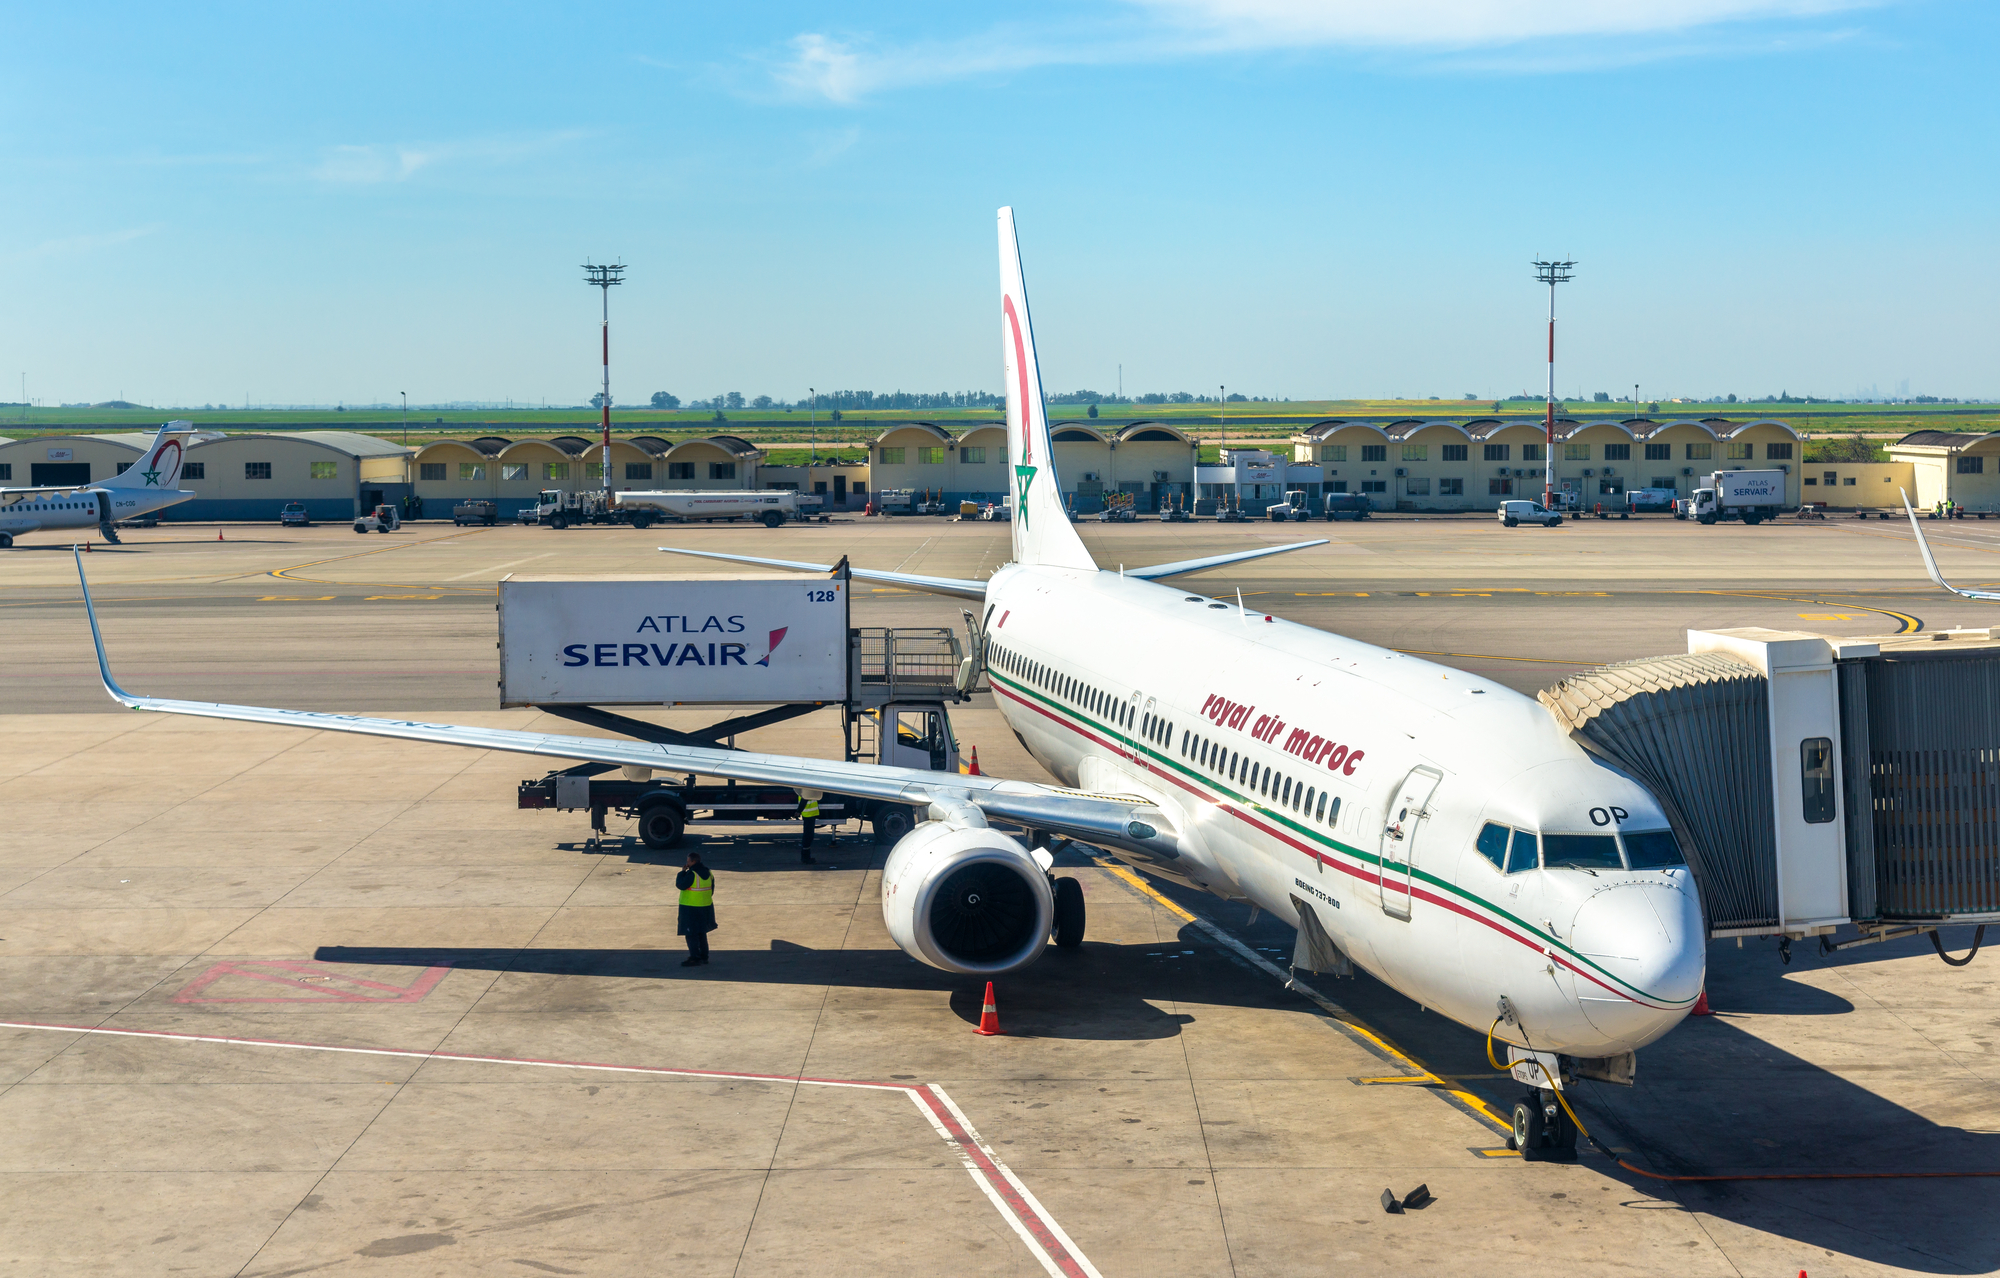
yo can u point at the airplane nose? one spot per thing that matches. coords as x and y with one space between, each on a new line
1645 940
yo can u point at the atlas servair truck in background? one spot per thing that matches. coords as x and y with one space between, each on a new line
769 648
1749 495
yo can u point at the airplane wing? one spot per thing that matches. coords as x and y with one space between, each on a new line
1128 823
957 587
977 589
1930 562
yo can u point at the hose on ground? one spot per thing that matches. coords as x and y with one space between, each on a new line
1978 935
1601 1148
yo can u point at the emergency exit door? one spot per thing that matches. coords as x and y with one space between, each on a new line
1402 825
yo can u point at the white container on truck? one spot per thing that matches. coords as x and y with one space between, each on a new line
1639 500
1749 495
672 641
769 506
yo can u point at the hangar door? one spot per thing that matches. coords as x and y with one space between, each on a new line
59 474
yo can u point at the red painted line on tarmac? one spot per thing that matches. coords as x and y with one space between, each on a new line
1058 1255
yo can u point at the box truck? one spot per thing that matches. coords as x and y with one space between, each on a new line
1749 495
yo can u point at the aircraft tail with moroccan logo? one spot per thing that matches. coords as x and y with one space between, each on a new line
1043 533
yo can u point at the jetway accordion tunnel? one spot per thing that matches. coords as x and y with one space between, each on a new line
1812 780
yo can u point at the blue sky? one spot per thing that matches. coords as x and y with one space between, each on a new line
1298 198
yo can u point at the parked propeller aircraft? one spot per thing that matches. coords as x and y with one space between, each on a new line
145 486
1433 827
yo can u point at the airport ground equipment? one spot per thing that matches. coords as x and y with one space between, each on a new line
1119 508
1813 780
895 501
382 519
1338 506
1749 495
1512 513
1293 507
1176 510
477 511
571 647
1647 501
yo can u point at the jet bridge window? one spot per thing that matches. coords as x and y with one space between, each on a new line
1816 776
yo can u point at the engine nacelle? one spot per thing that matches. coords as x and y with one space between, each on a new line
967 900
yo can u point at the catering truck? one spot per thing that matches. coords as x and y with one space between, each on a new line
1749 495
768 648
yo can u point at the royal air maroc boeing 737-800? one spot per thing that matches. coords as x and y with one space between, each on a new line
1432 827
145 486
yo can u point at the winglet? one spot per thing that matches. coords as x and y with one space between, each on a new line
97 637
1930 561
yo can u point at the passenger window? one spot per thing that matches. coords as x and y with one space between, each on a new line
1309 802
1492 844
1322 805
1333 814
1652 850
1525 853
1816 777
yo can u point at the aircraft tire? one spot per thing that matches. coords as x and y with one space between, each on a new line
1069 914
661 825
1530 1128
6 540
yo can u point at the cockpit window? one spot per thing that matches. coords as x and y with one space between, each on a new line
1493 844
1652 850
1582 851
1524 854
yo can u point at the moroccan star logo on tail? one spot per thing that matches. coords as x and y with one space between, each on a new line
151 476
1023 476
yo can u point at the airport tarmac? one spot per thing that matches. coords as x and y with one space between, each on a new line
279 1002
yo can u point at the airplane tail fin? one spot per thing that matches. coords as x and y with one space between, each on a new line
159 467
1043 533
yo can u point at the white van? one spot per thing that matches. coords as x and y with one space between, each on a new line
1527 512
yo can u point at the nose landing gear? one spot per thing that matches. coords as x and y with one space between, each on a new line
1543 1131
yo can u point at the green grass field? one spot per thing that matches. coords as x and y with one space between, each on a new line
1247 421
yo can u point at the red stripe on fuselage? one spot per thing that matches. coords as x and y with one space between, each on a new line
1351 871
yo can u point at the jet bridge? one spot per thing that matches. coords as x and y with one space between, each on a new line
1815 780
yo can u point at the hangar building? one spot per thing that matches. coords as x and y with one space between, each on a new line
1150 460
337 474
511 472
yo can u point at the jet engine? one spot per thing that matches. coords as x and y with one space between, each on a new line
967 899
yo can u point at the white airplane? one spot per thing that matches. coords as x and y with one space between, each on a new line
1430 826
145 486
1930 563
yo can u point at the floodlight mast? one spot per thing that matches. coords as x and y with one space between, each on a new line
604 277
1551 274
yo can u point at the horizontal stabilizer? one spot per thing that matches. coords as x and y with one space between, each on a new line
1178 567
1930 563
953 586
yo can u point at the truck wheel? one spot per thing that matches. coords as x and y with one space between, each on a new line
772 519
891 825
1509 522
643 522
1069 914
558 521
1706 520
661 825
1752 520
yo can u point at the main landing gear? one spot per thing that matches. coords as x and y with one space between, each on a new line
1069 913
1543 1131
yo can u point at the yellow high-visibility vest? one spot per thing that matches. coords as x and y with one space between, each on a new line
702 893
808 808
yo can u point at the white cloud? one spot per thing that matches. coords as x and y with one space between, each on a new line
362 165
846 69
1458 24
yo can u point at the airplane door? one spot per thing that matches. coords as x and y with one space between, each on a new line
1401 826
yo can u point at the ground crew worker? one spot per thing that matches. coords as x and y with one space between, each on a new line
697 886
808 815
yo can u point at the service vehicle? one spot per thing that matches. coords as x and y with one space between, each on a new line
1684 508
1642 501
477 511
1749 495
768 506
1292 508
1119 508
294 515
381 519
895 501
1527 512
1340 506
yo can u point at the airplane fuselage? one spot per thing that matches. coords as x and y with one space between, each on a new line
1358 780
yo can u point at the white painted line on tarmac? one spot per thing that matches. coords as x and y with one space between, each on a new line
1058 1256
478 572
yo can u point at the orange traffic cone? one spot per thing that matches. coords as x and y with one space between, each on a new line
1701 1006
974 769
218 534
989 1015
86 547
